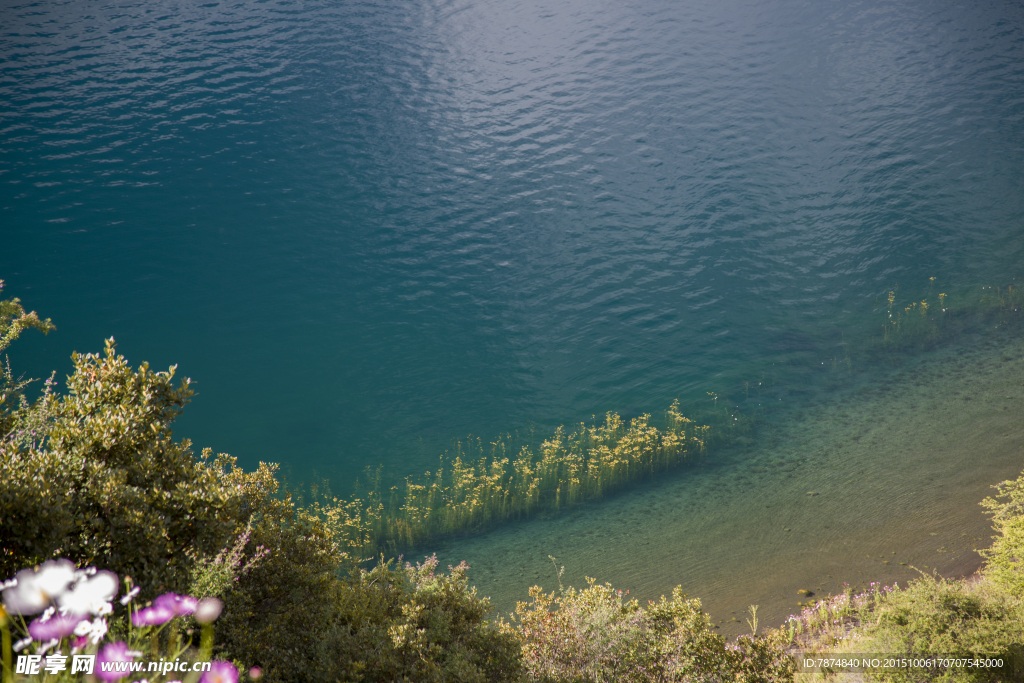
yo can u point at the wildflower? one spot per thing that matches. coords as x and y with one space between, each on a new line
208 610
255 673
113 652
58 627
153 616
130 595
220 672
97 630
89 594
35 589
178 604
22 644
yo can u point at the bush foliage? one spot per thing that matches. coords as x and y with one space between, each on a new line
101 479
1006 556
594 636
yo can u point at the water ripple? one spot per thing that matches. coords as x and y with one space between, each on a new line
471 215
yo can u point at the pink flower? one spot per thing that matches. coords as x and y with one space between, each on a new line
152 616
54 628
179 604
220 672
112 653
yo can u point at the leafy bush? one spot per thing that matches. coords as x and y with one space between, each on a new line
276 614
935 616
1006 556
95 476
13 404
593 635
386 624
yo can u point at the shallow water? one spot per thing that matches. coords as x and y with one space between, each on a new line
367 229
871 486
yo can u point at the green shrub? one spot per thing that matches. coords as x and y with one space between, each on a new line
593 635
935 616
95 476
1005 558
276 615
386 624
13 405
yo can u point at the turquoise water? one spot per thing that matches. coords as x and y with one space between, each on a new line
366 229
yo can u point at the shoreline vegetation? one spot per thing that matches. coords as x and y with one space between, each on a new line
94 475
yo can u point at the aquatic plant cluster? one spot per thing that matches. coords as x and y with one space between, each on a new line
922 323
469 493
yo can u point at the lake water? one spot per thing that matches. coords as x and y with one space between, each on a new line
366 229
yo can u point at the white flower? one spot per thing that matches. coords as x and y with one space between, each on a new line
97 630
105 609
83 628
208 610
22 644
89 594
131 594
35 589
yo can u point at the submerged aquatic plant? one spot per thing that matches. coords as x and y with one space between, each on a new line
923 323
473 490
